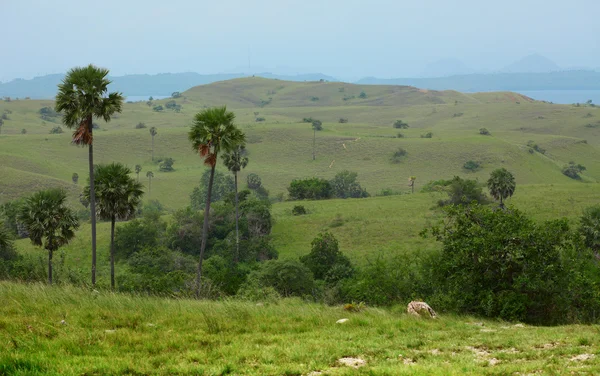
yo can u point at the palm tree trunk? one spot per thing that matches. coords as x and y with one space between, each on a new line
112 253
92 204
149 185
152 148
236 257
49 267
204 230
314 140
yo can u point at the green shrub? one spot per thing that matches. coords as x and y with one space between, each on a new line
484 132
167 165
463 192
343 120
324 255
222 186
56 130
398 155
471 166
260 119
287 277
573 170
362 95
399 124
310 189
536 147
299 210
427 135
158 108
140 125
344 185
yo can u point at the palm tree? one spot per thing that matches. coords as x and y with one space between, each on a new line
212 131
5 239
235 161
81 98
138 169
411 183
118 196
75 178
50 223
316 126
153 132
501 184
149 175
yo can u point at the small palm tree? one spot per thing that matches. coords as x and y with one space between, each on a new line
411 183
5 239
138 169
153 132
212 132
501 185
50 223
118 196
82 96
235 161
149 175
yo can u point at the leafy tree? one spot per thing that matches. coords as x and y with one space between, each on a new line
138 234
75 178
398 155
222 186
50 223
589 228
140 125
501 185
463 192
158 108
118 197
399 124
167 165
287 277
254 181
362 95
212 132
235 161
299 210
344 185
56 130
484 131
149 175
138 169
316 126
573 170
82 96
176 95
310 189
153 132
324 256
7 252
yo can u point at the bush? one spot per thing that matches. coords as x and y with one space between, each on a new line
463 192
158 108
310 189
471 166
436 186
399 124
573 170
260 119
140 125
344 185
254 181
314 99
362 95
135 235
308 120
176 95
499 263
400 135
427 135
167 165
324 256
56 130
23 131
484 131
287 277
223 185
533 146
398 155
342 120
299 210
317 125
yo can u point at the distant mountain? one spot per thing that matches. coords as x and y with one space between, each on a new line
446 67
532 64
44 87
568 80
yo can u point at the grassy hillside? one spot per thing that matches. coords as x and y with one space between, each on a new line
69 331
281 146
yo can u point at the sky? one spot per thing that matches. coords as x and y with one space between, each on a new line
347 39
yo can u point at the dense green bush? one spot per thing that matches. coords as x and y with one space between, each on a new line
287 277
344 185
140 125
222 186
484 132
463 192
398 155
471 165
299 210
310 189
399 124
56 130
427 135
167 165
325 257
573 170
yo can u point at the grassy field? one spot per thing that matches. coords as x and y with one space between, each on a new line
281 147
69 331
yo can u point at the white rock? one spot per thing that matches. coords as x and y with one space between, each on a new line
109 331
63 322
352 362
582 357
341 321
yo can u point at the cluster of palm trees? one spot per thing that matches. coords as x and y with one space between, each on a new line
112 193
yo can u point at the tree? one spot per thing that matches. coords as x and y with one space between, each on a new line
573 170
344 185
324 255
316 126
471 165
149 175
484 131
81 98
118 197
138 169
176 95
589 228
254 181
167 165
411 183
212 131
50 223
501 185
399 124
223 185
153 132
75 178
463 192
235 161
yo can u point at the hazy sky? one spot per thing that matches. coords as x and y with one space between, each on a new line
343 38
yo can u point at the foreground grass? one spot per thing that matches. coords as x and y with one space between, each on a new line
106 333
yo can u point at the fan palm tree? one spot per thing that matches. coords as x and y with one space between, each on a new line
501 184
153 132
138 169
118 196
149 175
235 161
50 223
212 132
5 239
82 96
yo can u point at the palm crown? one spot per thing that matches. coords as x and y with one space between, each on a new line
81 97
501 184
235 160
117 194
212 131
